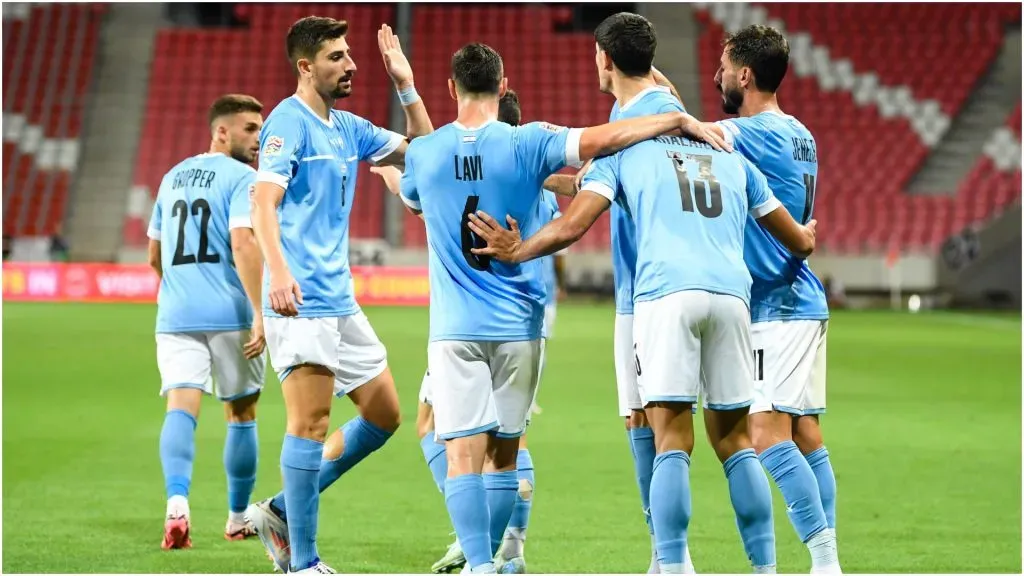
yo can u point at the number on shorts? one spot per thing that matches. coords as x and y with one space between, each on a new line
636 359
759 364
470 240
705 188
181 211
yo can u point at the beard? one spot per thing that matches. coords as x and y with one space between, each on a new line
337 91
732 99
244 155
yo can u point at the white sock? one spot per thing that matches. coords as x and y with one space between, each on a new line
764 569
236 517
514 544
824 554
688 562
672 569
653 568
484 569
177 506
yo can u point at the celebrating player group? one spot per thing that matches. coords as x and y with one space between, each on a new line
714 301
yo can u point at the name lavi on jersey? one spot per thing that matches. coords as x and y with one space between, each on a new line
469 168
804 150
193 177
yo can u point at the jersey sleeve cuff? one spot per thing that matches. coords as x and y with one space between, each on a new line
273 178
153 233
239 222
410 203
599 188
572 148
729 131
765 208
394 141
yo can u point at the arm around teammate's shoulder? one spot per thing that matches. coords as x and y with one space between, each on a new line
610 138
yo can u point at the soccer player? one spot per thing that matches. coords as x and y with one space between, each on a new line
486 317
789 311
209 322
320 341
434 452
626 45
691 335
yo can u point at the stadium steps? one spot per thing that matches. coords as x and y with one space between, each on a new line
677 49
112 128
986 109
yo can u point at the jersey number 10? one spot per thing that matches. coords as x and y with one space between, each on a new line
181 211
705 188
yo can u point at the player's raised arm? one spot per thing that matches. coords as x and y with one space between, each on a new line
771 214
417 121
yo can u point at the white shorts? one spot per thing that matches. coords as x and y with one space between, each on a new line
694 343
625 366
345 345
426 393
789 366
478 387
550 311
202 359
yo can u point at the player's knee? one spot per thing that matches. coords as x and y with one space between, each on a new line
766 429
241 410
638 419
807 434
312 425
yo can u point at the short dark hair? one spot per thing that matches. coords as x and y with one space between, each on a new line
307 35
508 108
629 40
764 50
229 104
477 69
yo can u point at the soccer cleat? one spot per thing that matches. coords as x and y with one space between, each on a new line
318 568
512 566
176 533
238 530
452 560
273 533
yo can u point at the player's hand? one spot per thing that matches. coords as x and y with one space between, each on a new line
583 172
395 62
282 288
392 177
257 338
811 230
697 130
501 243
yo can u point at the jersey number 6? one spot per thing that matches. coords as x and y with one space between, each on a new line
181 211
470 240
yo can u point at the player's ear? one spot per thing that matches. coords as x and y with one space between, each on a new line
304 66
503 87
451 89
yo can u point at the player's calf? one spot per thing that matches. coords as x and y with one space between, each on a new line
807 435
177 453
748 487
670 481
241 453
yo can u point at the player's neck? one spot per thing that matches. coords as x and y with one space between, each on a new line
626 88
475 112
755 103
316 102
216 148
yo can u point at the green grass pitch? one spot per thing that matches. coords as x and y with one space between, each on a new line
924 427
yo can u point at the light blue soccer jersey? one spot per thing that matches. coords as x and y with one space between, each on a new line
690 204
654 100
316 161
549 210
200 200
784 288
499 169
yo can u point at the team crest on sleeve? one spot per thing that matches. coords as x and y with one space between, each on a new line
252 191
273 146
551 127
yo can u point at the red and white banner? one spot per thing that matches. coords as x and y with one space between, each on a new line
46 282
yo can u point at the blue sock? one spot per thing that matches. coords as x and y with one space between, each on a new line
466 499
502 490
177 451
241 453
795 479
752 500
670 505
641 443
822 468
300 467
521 511
361 438
436 455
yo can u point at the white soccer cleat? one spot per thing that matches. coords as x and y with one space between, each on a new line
512 566
238 530
318 568
273 533
452 560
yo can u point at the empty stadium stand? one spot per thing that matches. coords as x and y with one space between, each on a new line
48 60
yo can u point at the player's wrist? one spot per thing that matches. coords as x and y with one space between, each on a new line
407 94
